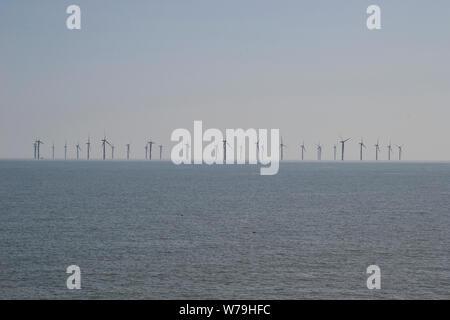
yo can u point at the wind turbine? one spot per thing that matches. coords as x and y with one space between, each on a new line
319 152
150 144
389 147
400 149
128 151
38 147
146 151
343 144
65 150
88 149
53 151
282 146
104 142
35 149
377 149
303 149
361 146
160 151
335 152
78 150
225 143
112 151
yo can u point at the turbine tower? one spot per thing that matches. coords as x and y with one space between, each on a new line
400 149
78 150
65 150
303 149
53 151
282 146
319 152
150 144
35 149
377 149
38 148
225 143
361 146
128 151
335 152
160 151
88 148
389 147
146 151
112 152
104 142
343 145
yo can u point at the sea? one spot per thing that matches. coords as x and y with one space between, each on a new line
155 230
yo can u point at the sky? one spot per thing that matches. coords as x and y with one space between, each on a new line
137 70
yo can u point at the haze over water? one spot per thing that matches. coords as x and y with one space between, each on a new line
160 231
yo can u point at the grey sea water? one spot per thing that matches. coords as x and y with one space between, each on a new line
160 231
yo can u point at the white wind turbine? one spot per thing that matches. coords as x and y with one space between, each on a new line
361 146
343 145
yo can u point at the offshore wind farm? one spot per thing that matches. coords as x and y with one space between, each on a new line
104 143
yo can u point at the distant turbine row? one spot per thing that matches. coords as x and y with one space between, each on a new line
361 144
104 143
149 145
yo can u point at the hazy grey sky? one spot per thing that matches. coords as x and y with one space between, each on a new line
139 69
